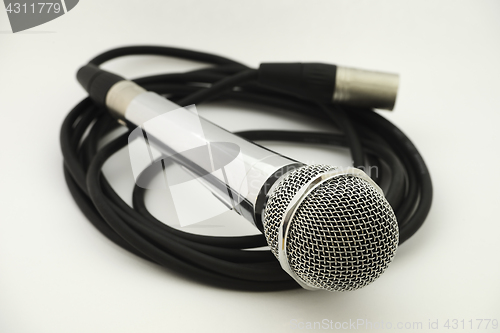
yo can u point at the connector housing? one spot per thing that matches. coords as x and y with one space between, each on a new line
365 88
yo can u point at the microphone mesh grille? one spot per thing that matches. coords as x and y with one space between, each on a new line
343 235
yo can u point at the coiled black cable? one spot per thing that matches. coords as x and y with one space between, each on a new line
225 261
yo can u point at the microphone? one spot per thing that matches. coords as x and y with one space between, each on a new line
330 228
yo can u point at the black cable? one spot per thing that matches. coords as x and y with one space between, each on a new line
225 261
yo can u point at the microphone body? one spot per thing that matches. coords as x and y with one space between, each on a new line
237 171
330 228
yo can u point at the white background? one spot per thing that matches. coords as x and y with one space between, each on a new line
59 274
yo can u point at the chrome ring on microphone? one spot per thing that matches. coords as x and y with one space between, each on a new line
295 203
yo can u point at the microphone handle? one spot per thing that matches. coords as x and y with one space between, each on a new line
238 172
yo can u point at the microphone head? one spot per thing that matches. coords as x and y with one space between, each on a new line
330 229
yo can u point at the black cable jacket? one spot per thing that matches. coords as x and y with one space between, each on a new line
226 262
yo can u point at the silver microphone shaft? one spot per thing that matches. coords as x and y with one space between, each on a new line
237 171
